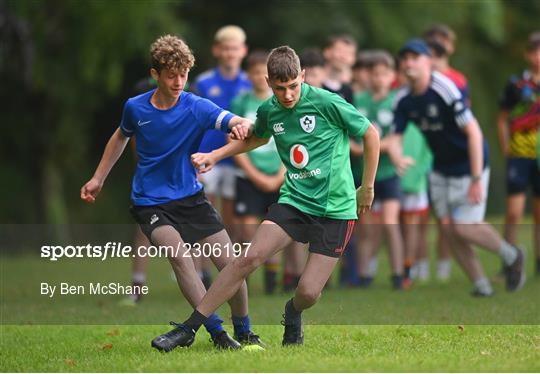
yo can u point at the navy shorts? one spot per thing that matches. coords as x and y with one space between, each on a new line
193 217
522 173
326 236
250 201
388 189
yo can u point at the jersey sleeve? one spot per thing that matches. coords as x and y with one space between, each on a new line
261 129
210 116
461 111
127 126
510 96
346 116
400 115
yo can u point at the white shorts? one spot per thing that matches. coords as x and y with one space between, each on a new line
414 202
220 181
449 197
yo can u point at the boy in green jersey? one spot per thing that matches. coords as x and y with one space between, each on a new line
259 177
376 104
414 204
318 203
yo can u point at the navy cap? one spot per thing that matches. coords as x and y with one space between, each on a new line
417 46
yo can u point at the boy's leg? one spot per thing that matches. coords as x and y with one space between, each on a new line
268 240
188 280
536 229
369 239
515 205
239 302
316 273
390 217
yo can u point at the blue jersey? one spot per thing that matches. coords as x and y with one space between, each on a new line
440 113
165 141
221 91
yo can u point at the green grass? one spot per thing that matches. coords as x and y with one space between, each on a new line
327 348
433 327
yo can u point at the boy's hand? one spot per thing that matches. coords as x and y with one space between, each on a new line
90 190
402 164
242 130
203 162
364 198
475 192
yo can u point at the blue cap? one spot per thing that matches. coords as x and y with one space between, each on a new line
417 46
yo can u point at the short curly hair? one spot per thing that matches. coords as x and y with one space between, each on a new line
171 52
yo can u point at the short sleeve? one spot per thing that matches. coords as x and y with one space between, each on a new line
462 113
210 116
401 119
126 124
509 97
346 116
261 129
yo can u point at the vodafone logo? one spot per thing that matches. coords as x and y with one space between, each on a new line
299 156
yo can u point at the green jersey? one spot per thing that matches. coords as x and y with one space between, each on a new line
380 113
414 145
265 158
312 139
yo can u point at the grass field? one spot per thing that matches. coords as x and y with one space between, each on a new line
433 327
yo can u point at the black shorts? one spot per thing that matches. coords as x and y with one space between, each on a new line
250 201
325 236
522 173
193 217
388 189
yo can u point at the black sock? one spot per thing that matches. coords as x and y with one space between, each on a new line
196 320
290 311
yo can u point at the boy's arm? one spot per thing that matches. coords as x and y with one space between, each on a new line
115 146
476 159
240 127
365 194
204 162
266 183
502 131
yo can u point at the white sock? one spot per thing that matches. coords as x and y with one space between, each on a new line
508 252
423 269
139 277
372 266
443 269
414 271
483 285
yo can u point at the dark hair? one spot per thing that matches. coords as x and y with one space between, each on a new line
345 38
534 41
362 59
311 57
436 47
283 64
256 57
440 30
381 57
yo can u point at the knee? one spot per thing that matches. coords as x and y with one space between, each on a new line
247 264
512 218
309 295
180 263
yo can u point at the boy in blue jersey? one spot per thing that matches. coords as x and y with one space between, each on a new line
459 180
220 85
168 201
